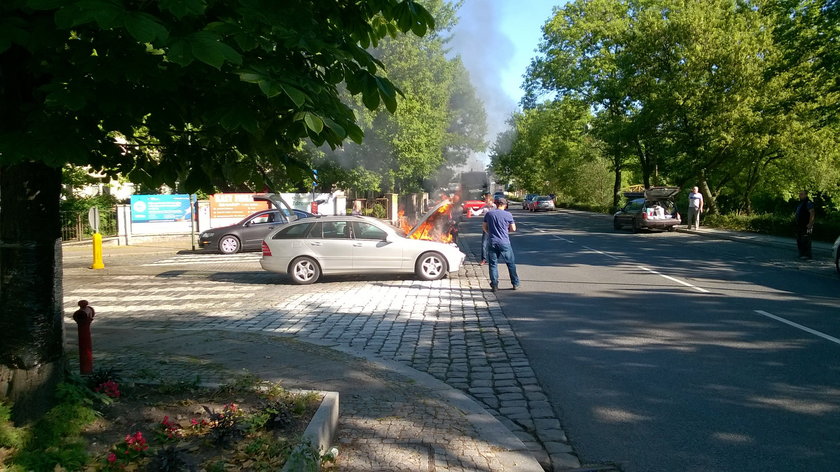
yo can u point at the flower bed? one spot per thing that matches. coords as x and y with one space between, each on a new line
246 425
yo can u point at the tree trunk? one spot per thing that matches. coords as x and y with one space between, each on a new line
617 184
31 312
709 203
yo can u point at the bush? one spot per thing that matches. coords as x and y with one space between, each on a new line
825 229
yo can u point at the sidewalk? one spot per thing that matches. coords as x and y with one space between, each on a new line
416 363
391 417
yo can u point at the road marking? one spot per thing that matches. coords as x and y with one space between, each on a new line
799 326
675 280
563 239
601 252
198 259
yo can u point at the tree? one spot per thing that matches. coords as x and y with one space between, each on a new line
193 92
440 119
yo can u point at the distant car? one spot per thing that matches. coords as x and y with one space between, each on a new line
836 250
498 195
543 203
527 200
306 249
653 209
248 234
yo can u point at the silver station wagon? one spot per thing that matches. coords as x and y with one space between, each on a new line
306 249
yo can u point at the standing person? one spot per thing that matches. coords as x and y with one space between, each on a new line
485 240
357 208
498 224
804 225
695 207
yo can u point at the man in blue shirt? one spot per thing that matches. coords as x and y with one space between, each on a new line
498 224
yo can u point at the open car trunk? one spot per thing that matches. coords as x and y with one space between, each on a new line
275 200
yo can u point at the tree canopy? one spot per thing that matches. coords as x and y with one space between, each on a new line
739 97
190 91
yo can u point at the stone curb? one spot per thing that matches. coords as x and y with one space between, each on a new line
321 429
515 456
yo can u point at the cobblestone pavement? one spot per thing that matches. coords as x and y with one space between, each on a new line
452 329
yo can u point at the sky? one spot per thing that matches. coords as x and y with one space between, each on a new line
496 40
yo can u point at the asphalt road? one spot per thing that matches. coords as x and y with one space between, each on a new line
672 352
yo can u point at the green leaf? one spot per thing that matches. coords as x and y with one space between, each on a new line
144 27
182 8
355 133
388 92
335 127
313 122
207 48
179 53
297 96
270 88
239 117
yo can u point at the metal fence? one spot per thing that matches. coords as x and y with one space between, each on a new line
75 226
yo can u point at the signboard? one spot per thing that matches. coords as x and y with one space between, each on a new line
234 205
160 208
93 218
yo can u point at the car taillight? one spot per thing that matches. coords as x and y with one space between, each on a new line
644 216
266 250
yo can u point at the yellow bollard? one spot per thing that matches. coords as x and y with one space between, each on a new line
97 252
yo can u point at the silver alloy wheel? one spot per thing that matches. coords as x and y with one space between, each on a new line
431 266
229 245
305 271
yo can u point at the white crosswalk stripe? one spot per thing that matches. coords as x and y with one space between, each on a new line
199 259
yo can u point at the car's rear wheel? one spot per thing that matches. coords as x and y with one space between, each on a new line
229 245
616 225
304 271
430 266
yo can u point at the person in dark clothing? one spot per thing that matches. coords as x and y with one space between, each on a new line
804 225
498 224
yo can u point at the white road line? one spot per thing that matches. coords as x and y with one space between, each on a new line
675 280
562 239
799 326
601 252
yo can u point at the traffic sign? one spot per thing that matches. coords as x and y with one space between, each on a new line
93 218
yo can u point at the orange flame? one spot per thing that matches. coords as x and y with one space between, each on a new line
437 226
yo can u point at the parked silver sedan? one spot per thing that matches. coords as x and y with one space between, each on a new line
306 249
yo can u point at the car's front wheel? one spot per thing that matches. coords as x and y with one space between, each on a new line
837 262
430 266
304 271
229 245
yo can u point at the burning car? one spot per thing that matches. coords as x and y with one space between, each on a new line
306 249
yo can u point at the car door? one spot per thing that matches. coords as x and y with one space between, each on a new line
371 252
331 243
257 228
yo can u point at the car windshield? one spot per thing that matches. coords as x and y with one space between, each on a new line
544 199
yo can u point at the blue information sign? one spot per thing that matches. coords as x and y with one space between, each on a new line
160 208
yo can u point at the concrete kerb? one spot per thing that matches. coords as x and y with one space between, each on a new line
512 451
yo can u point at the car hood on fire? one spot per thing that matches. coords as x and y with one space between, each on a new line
426 216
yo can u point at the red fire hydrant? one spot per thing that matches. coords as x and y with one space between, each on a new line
84 317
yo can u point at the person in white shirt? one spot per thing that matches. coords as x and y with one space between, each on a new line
695 207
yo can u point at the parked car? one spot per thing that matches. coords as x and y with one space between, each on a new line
652 209
248 234
498 195
836 250
527 200
541 203
306 249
